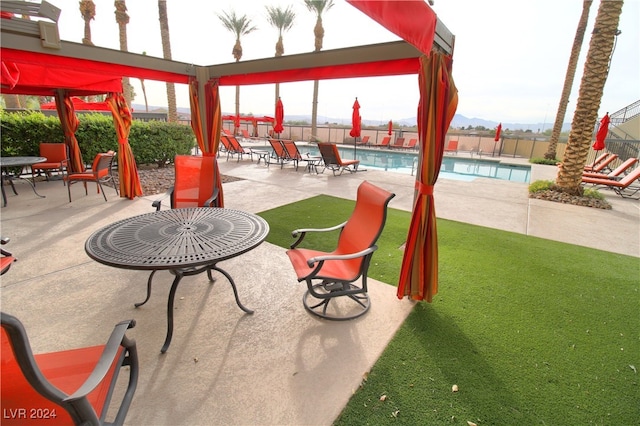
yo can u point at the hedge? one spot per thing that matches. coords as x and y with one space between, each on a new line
151 141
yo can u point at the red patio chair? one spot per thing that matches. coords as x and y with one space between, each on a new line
57 159
589 167
412 143
363 141
194 184
617 172
7 258
603 164
399 143
332 276
385 142
100 173
66 387
627 187
452 146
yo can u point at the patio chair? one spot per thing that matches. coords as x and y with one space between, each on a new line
624 187
7 258
363 141
603 164
332 276
452 147
100 173
279 153
617 172
194 184
399 143
589 167
57 155
292 152
331 159
412 143
237 149
385 142
66 387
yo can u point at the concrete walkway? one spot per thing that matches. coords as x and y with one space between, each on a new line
279 365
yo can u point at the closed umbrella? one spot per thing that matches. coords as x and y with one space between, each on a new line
497 138
127 170
437 106
356 126
277 125
603 130
390 131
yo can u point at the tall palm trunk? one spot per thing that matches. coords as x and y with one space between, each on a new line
568 80
318 31
166 53
122 18
88 12
595 75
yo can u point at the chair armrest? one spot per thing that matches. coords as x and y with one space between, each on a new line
213 200
3 241
301 233
106 359
157 204
311 261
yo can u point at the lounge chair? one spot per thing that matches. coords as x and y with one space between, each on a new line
603 164
589 167
7 258
331 159
332 276
363 141
399 143
452 146
66 387
412 143
279 153
617 172
624 187
57 155
292 152
226 146
385 142
100 173
238 149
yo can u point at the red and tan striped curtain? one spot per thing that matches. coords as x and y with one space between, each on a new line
69 122
130 186
437 106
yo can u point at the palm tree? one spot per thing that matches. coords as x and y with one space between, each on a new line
318 7
166 53
238 25
88 12
283 21
568 80
144 91
122 18
595 74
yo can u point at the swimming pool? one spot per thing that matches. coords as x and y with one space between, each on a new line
466 169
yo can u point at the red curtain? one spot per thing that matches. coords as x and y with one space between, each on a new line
69 122
437 106
130 186
213 123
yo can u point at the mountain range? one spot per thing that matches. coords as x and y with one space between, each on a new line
459 121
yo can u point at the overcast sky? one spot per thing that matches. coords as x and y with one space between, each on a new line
510 57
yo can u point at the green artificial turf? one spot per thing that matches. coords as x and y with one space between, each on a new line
531 331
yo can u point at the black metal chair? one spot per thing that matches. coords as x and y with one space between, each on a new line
67 387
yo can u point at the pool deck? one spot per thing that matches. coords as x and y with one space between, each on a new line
279 365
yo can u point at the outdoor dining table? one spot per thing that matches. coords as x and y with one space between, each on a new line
22 162
183 241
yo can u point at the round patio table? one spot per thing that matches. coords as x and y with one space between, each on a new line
7 162
183 241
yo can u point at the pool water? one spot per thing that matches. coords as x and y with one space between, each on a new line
465 169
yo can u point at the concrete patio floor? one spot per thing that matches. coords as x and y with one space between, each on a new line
279 365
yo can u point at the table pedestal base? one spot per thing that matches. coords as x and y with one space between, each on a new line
179 273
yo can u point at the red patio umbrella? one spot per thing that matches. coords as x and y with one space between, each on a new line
603 130
437 106
390 127
356 126
277 125
498 130
130 186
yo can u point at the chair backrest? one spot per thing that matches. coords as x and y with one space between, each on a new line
399 142
225 142
412 142
622 167
329 153
102 164
385 141
366 222
278 148
604 163
53 152
291 149
365 139
245 134
235 144
195 181
630 178
452 145
599 159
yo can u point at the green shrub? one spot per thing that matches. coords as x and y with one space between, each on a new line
151 142
551 162
540 185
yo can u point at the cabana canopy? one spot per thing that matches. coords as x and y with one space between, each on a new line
80 105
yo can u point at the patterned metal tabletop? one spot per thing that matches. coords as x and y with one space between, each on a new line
177 238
